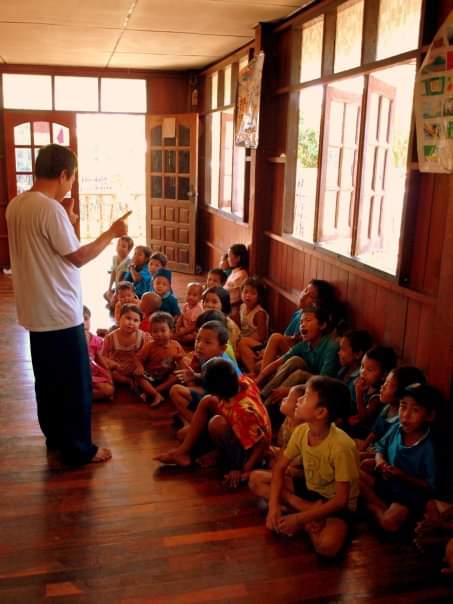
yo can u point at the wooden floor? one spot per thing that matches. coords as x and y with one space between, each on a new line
130 531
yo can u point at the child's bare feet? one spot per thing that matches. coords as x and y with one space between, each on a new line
101 456
175 457
208 460
158 399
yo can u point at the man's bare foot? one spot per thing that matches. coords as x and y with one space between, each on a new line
208 460
175 458
101 456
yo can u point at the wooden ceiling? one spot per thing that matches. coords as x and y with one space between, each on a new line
146 34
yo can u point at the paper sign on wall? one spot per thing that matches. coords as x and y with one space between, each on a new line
247 112
434 104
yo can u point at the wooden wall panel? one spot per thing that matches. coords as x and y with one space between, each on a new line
168 95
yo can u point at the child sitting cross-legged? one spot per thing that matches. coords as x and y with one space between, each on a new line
162 286
323 501
254 323
217 315
376 364
138 273
120 266
236 419
160 357
391 391
401 479
315 354
211 341
122 345
149 304
191 310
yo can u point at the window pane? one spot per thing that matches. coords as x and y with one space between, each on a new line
27 91
23 182
348 40
215 158
310 105
60 134
214 89
226 174
398 26
22 134
385 165
310 65
41 133
76 94
340 148
227 86
123 95
23 160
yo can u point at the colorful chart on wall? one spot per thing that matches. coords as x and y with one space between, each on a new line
434 104
248 103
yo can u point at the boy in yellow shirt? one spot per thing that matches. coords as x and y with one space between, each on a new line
322 502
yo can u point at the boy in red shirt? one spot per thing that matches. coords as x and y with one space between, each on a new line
237 422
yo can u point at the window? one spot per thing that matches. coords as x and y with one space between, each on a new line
70 93
121 95
76 94
27 91
225 165
347 190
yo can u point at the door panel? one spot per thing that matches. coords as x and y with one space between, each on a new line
171 187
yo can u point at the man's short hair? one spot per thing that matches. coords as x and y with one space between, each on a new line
220 378
52 160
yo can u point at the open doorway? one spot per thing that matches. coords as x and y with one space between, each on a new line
111 173
111 152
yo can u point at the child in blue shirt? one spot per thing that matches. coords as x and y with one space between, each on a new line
162 286
211 341
391 391
138 273
157 260
402 477
376 364
353 346
315 354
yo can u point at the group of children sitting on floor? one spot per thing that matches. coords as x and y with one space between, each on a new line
312 418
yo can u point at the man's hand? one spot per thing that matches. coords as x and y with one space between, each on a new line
68 204
119 227
278 394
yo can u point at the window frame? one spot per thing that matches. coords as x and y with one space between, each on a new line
235 208
368 65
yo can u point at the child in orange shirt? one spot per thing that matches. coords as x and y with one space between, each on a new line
159 357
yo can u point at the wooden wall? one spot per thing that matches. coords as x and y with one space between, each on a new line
414 315
168 93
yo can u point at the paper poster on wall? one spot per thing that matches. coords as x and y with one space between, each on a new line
247 111
434 104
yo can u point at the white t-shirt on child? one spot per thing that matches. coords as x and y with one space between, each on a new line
47 286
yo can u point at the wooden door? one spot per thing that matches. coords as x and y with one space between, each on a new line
171 187
25 133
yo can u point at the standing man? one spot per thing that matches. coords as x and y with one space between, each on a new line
45 258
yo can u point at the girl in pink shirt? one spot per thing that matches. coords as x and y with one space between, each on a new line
191 310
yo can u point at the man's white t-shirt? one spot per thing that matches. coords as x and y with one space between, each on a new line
47 286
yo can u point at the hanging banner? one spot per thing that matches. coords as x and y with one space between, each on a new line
434 104
247 113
